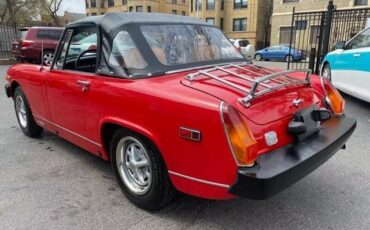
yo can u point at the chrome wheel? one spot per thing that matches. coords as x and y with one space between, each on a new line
326 72
134 166
48 58
258 57
289 58
20 107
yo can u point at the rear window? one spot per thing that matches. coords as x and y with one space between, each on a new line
49 34
22 33
243 43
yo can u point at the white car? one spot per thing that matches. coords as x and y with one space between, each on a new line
244 47
348 66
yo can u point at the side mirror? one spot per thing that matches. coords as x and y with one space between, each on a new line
339 45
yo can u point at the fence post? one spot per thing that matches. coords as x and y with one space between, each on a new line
291 37
326 35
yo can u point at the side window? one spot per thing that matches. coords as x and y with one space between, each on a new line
125 53
78 50
360 41
59 63
83 39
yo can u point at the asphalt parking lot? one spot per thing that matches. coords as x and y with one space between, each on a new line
48 183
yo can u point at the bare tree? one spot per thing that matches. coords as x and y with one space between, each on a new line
12 10
51 7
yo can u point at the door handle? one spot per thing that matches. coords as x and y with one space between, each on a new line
356 55
83 84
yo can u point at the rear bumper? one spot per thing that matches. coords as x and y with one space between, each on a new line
8 90
283 167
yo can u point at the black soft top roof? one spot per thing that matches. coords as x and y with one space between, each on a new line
112 20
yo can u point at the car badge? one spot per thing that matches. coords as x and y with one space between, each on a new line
297 102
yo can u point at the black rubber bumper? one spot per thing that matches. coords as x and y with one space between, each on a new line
8 90
281 168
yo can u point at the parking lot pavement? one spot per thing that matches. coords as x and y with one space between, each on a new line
48 183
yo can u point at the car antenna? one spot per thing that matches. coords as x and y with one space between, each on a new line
42 56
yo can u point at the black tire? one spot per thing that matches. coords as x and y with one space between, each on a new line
160 191
30 129
287 57
258 57
326 71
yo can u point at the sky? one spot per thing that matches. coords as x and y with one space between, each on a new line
75 6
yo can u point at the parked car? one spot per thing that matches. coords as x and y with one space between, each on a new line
348 66
244 47
172 112
29 42
280 53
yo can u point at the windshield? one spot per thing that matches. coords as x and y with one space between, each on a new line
185 44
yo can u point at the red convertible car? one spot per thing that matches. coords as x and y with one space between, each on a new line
171 103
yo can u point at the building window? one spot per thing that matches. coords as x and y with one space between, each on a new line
174 11
222 23
238 4
130 9
314 34
289 1
301 25
183 13
210 4
139 9
240 24
87 14
93 3
110 3
285 35
183 1
87 4
210 21
124 2
101 3
198 5
101 13
174 1
361 2
222 4
93 14
149 9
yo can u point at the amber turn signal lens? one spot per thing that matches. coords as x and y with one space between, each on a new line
241 140
333 97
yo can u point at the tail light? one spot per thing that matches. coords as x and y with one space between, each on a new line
333 97
240 138
26 43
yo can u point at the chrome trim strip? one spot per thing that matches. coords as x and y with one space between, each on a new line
67 130
199 180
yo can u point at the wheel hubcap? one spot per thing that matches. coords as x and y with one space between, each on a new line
21 111
326 73
133 165
48 58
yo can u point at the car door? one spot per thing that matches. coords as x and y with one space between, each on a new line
68 88
272 52
351 69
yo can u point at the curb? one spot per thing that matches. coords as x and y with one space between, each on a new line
7 61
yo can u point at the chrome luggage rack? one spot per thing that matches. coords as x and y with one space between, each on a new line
280 78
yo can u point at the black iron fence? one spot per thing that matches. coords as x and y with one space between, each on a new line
8 33
315 33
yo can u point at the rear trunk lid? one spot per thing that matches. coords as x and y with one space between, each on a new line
275 99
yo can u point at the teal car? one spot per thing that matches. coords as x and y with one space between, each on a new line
348 66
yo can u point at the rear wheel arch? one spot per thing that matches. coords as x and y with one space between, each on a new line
13 86
109 128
